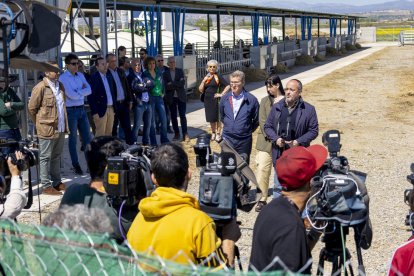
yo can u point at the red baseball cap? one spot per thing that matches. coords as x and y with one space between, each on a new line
298 165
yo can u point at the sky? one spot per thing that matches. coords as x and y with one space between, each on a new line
349 2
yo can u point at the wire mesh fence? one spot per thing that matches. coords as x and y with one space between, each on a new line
39 250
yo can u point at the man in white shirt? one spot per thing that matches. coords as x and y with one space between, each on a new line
76 88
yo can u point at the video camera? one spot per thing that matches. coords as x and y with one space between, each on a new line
128 176
8 147
340 199
217 187
409 200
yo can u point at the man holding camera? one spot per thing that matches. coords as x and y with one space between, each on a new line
170 220
291 123
94 195
279 230
47 110
13 203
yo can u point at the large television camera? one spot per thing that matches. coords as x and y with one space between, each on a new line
128 176
30 153
223 184
339 200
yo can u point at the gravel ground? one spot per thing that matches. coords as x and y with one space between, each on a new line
371 103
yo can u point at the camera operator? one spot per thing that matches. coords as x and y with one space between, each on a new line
13 203
94 195
402 262
279 230
170 220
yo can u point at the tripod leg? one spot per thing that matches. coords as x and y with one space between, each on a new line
322 256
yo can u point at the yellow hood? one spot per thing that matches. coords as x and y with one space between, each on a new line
164 201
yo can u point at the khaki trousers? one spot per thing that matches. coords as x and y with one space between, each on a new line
104 124
264 169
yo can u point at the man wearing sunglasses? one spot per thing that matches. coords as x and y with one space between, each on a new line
76 88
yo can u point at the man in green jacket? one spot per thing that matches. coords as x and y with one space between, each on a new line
10 104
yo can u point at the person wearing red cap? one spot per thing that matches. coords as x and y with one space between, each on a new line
279 230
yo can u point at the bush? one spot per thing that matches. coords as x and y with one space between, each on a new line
358 46
254 74
343 51
304 60
280 68
320 57
350 47
331 51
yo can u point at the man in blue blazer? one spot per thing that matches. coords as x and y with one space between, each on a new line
176 97
123 101
101 100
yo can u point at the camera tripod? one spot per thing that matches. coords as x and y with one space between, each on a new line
335 252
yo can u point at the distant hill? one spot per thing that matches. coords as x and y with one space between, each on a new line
339 8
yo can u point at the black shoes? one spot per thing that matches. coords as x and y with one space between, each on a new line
77 169
260 206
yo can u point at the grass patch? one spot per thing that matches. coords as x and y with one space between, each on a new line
331 51
304 60
254 74
350 47
280 68
343 51
320 57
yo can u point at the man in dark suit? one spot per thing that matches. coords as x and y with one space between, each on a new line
176 97
101 100
123 101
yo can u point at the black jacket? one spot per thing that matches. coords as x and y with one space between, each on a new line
176 84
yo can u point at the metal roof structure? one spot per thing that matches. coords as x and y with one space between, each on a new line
212 7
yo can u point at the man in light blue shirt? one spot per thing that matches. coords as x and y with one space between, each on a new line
76 88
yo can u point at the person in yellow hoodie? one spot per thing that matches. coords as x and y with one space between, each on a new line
170 223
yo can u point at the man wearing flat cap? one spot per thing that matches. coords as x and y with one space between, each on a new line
47 111
279 230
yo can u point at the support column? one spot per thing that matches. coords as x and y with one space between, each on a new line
319 29
234 30
283 28
208 32
103 27
132 28
72 32
218 31
296 28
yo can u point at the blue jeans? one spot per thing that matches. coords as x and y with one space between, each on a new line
157 105
142 112
181 106
77 119
50 153
277 190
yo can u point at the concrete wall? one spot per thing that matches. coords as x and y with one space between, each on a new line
366 34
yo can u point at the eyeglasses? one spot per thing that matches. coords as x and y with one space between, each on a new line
141 54
74 63
235 82
212 66
160 60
